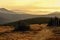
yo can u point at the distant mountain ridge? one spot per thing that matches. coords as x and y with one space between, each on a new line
57 14
7 16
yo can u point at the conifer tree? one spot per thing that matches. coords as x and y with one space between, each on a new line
22 26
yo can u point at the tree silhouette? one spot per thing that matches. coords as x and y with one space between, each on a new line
22 26
54 22
50 22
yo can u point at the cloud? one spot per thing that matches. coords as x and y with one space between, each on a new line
31 6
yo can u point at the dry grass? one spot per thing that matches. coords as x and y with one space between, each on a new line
6 29
43 34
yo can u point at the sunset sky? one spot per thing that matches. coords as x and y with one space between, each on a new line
36 7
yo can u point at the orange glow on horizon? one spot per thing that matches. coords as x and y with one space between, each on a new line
32 6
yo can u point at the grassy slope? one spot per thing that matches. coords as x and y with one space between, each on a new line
38 20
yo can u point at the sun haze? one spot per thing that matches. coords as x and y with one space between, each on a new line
35 7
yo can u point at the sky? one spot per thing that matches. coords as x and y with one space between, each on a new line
35 7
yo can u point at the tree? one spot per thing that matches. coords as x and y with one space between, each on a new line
53 22
22 26
50 22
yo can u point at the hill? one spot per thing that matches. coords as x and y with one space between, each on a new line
7 16
12 18
37 20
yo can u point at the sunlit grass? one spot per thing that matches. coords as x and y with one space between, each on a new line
43 34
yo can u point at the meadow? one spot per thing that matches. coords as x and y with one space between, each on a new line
37 32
